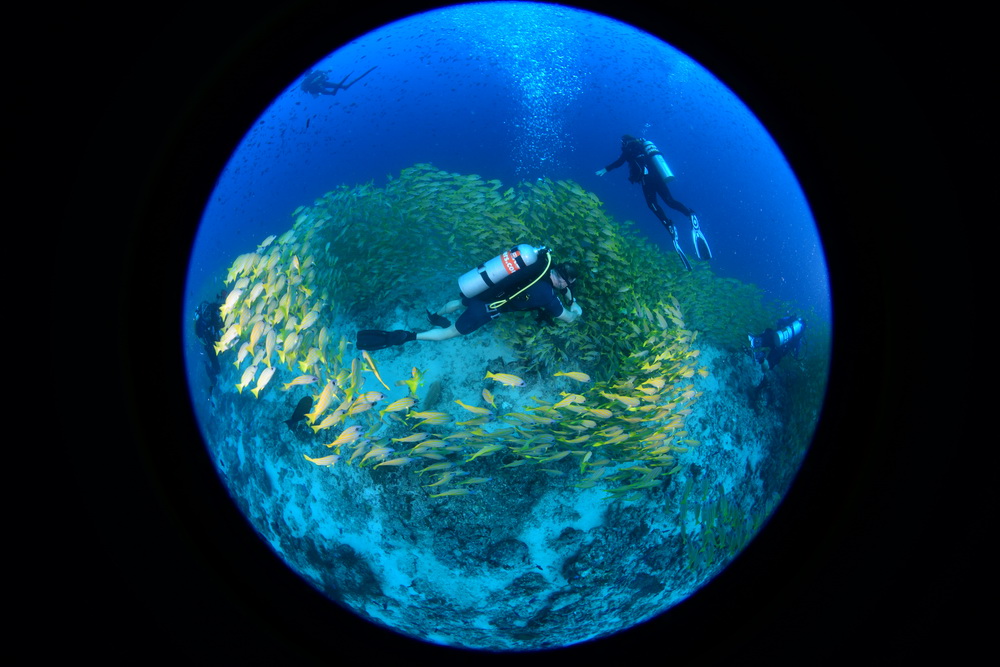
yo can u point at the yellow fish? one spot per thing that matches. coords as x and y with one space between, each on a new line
569 399
324 460
371 364
433 418
230 302
248 376
575 375
262 381
255 333
308 320
322 403
413 437
232 333
488 397
302 379
506 378
398 405
453 492
403 460
378 452
330 420
485 451
359 406
416 378
445 477
269 343
473 409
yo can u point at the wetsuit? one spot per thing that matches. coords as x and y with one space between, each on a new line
540 296
641 171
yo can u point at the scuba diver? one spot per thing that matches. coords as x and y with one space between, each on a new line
317 82
647 166
207 326
784 338
523 278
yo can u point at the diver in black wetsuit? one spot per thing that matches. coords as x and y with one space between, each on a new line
785 337
647 166
318 82
540 293
207 328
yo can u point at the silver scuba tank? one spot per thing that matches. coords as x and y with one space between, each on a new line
789 332
657 162
486 275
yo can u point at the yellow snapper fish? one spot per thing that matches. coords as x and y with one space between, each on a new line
569 400
371 364
242 354
378 452
398 405
331 419
402 460
348 435
413 437
269 342
248 376
255 333
473 409
300 380
485 451
262 381
416 379
308 320
230 302
311 358
371 396
574 375
453 492
323 402
488 397
324 460
432 418
232 333
505 378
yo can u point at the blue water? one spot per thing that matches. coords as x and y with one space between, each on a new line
472 89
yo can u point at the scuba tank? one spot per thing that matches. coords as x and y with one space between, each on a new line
506 274
786 334
657 162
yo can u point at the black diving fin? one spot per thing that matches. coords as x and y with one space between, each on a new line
699 240
376 339
438 320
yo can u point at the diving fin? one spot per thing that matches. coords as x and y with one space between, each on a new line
677 247
699 240
438 320
376 339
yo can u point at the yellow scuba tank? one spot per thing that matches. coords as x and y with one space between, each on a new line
657 161
496 273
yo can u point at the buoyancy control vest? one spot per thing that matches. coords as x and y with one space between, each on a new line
500 279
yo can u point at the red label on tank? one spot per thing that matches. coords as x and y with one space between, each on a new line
509 261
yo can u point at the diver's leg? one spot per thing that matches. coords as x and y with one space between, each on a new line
450 307
438 334
649 192
669 200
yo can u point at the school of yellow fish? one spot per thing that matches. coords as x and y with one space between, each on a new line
625 371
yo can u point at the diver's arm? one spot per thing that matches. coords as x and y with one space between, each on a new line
617 163
571 314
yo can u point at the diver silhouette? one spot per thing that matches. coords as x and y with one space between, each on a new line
317 82
647 166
